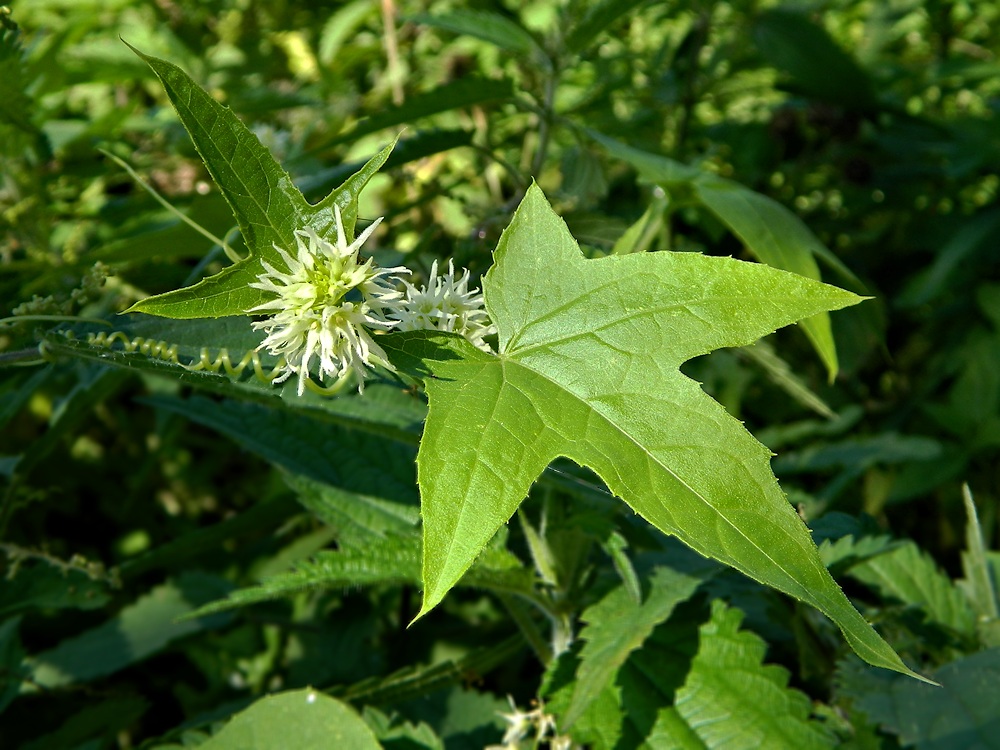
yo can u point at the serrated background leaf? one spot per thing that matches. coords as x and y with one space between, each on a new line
588 369
616 626
962 713
732 699
910 576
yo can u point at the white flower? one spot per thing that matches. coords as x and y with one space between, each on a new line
326 304
444 304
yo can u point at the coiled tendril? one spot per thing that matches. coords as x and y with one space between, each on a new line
221 362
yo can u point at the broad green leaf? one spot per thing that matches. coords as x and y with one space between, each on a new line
301 719
776 236
267 205
137 632
911 577
616 626
588 369
962 713
772 233
731 699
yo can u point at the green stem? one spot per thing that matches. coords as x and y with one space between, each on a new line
529 629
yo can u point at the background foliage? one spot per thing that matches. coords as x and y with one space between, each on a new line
130 500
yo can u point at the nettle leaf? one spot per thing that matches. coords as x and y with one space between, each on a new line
732 699
910 576
588 368
267 205
962 713
616 626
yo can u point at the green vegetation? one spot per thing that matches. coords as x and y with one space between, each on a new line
275 474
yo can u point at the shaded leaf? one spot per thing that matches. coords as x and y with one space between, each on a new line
598 19
140 630
301 719
818 66
488 26
962 713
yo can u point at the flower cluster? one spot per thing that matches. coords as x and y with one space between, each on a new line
445 304
328 304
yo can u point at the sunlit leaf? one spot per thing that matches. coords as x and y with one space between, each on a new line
588 369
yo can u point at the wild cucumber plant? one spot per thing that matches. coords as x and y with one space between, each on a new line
521 447
585 366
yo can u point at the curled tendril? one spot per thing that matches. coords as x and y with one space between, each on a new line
221 362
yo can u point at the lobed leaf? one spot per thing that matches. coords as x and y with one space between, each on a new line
589 352
267 205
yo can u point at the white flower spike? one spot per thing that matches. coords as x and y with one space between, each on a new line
444 304
326 304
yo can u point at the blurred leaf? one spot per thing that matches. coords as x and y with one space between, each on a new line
43 584
781 374
962 713
15 104
818 66
464 92
12 668
638 237
909 576
979 587
930 283
96 721
580 359
488 26
300 719
598 19
137 632
617 626
731 699
859 453
340 27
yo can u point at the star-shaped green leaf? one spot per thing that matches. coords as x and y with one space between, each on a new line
267 205
589 352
